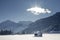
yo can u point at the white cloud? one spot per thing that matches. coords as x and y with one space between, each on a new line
38 10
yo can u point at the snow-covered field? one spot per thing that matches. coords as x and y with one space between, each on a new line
30 37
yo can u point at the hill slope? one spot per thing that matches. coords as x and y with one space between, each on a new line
14 27
44 24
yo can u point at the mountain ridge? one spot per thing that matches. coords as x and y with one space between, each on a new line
13 26
44 23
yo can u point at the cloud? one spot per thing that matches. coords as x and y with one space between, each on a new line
38 10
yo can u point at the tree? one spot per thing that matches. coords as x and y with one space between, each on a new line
5 32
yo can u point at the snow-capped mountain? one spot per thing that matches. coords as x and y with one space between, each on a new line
14 27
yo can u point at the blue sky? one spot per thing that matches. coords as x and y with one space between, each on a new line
15 10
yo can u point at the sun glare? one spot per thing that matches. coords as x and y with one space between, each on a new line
38 10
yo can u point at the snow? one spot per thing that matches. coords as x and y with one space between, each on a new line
30 37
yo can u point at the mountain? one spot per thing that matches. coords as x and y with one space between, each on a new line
54 29
24 25
14 27
9 25
44 24
25 22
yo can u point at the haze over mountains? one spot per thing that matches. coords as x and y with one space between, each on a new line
50 24
14 27
46 24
